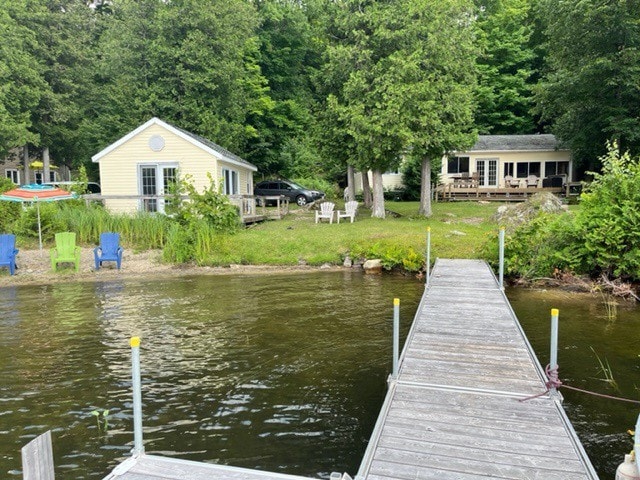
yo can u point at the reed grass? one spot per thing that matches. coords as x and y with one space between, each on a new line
606 370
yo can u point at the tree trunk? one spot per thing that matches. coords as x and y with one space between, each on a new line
425 188
378 195
25 160
366 190
46 176
350 192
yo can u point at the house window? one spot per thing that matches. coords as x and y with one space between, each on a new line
230 178
458 165
556 168
13 175
508 169
525 169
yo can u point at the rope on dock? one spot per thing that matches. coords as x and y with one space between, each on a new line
553 381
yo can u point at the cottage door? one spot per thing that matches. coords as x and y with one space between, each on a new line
155 181
487 169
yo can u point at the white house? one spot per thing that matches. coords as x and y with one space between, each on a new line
515 157
145 162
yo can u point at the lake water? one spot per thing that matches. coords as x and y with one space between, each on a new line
284 372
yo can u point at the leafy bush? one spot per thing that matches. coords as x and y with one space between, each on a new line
211 206
198 219
541 247
609 217
9 211
391 255
51 223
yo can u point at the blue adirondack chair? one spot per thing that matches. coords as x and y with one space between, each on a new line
8 252
109 250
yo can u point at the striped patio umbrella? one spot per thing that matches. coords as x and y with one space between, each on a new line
36 194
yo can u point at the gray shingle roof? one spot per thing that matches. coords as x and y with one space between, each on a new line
214 146
492 143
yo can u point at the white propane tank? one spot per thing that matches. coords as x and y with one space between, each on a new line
628 469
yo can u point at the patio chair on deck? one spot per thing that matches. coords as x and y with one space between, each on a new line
109 250
326 211
8 252
65 250
532 181
350 209
509 181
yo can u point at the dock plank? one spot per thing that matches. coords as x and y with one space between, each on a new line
454 411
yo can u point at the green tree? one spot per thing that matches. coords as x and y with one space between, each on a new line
590 92
21 81
191 63
505 67
403 71
288 53
65 39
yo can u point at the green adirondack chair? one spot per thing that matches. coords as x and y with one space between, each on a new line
65 250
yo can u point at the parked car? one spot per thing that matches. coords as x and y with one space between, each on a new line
293 191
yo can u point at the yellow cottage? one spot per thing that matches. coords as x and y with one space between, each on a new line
136 170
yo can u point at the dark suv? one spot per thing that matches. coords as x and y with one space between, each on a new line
295 192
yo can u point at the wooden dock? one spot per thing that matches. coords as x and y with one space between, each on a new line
454 411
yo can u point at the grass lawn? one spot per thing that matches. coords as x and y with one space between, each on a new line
458 230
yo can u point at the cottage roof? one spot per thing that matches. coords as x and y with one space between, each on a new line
201 142
498 143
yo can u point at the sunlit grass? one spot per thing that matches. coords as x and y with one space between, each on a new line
458 230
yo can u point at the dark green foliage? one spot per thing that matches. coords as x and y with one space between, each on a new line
9 211
609 217
505 67
51 223
542 247
590 92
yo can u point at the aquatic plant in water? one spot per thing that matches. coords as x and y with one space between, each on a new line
606 370
102 419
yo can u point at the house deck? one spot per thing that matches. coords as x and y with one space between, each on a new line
451 192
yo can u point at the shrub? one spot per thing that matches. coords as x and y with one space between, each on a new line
609 217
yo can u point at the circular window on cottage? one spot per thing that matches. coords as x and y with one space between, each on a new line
156 143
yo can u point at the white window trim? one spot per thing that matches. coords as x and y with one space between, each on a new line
14 173
233 181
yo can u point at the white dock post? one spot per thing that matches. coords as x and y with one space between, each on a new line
428 262
138 447
396 337
501 237
553 354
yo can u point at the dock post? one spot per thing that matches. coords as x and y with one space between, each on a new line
396 337
501 237
428 262
553 354
138 447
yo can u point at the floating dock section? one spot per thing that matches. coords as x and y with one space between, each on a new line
455 410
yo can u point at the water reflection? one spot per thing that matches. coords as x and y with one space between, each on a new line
283 373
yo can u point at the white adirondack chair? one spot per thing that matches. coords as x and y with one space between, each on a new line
350 209
326 211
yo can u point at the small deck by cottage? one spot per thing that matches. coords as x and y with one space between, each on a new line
455 192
